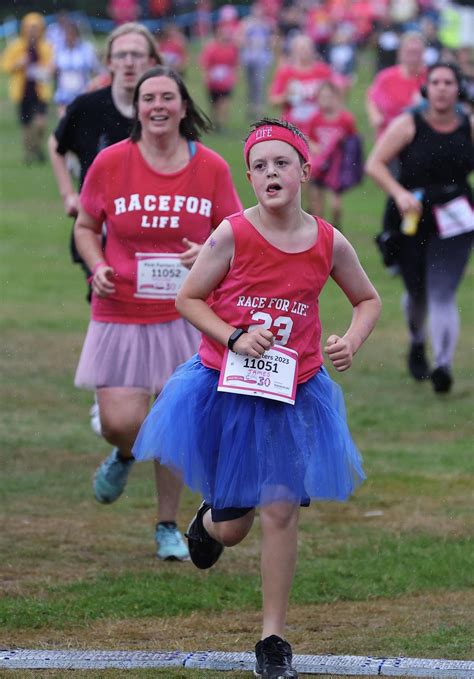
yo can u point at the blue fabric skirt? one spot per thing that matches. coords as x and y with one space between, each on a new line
245 451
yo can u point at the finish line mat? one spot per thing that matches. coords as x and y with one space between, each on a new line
214 660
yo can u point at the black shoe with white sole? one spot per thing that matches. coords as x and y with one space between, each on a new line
274 658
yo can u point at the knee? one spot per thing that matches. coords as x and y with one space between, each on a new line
279 516
118 432
230 533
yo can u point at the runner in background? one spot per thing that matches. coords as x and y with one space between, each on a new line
98 119
256 40
396 88
429 216
296 83
75 63
28 60
160 193
220 62
328 132
173 47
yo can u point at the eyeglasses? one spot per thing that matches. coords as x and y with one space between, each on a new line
134 56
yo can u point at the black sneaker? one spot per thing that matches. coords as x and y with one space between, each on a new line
442 379
274 659
203 550
417 363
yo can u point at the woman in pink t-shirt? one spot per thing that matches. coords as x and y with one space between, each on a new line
296 84
160 194
396 88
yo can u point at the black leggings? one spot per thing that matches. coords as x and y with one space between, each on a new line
432 269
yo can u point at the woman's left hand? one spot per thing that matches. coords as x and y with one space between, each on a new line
339 351
189 256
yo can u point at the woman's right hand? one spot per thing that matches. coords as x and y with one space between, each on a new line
102 281
254 343
406 202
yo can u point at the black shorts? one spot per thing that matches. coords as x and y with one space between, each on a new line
29 108
231 513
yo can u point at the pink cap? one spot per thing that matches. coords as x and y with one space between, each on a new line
278 133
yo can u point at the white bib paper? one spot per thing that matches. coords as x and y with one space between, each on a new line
454 218
159 275
272 376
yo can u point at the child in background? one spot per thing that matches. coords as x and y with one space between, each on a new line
328 129
220 61
173 47
264 268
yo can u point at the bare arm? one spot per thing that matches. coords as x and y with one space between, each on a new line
210 268
373 113
87 231
64 181
399 134
349 275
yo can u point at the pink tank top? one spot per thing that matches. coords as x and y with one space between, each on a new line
279 290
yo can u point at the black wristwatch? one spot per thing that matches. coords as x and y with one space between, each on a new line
234 337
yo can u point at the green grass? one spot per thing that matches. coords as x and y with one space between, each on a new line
70 565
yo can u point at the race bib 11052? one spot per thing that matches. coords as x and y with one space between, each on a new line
159 275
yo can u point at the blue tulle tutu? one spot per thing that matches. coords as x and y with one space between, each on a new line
245 451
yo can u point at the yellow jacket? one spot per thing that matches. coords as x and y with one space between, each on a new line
18 50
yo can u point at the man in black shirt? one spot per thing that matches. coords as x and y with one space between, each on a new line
98 119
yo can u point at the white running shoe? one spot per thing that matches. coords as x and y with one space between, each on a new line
94 413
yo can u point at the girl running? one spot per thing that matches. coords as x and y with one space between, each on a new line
254 420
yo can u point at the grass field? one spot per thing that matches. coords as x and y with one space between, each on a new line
389 573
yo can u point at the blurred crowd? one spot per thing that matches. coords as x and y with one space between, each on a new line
308 42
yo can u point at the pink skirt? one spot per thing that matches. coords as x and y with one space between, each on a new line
142 356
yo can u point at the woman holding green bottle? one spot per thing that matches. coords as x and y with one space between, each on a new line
429 208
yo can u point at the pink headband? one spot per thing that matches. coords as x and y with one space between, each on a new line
279 133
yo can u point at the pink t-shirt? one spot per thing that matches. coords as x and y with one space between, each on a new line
392 92
324 130
301 88
174 52
220 62
276 289
328 133
150 212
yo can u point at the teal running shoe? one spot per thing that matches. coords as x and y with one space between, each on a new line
170 544
110 478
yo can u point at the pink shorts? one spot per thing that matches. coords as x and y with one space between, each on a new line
142 356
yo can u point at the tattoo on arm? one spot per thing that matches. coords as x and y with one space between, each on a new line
212 242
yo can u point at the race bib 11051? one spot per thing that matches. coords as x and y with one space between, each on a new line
272 376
